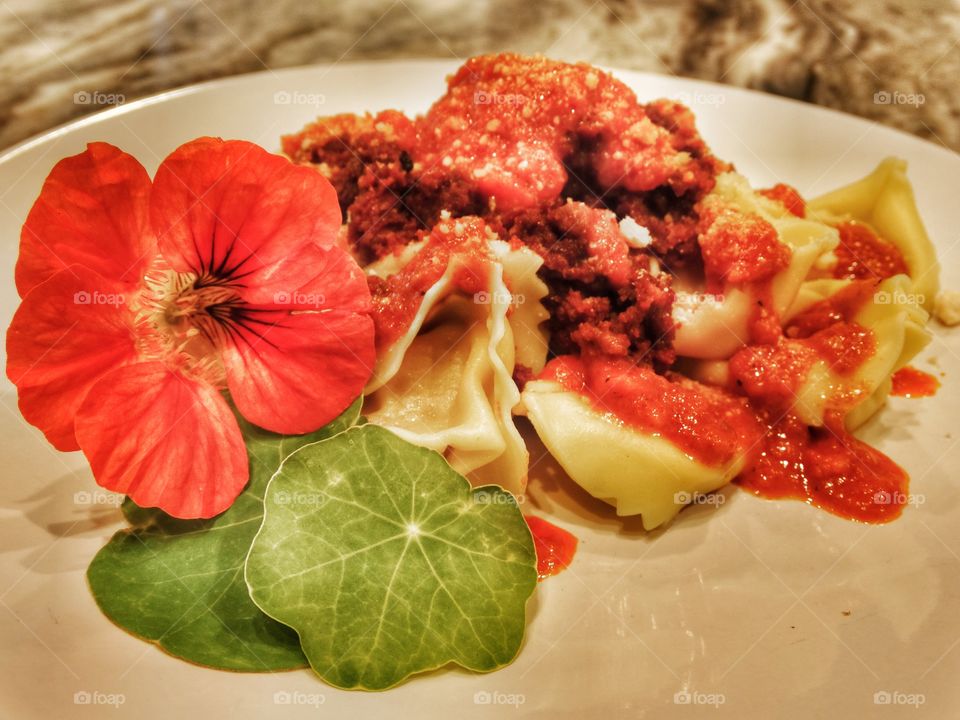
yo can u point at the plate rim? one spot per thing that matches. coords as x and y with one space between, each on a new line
28 144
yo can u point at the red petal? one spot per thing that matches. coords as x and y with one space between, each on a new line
297 363
92 211
58 346
165 440
293 372
337 283
232 209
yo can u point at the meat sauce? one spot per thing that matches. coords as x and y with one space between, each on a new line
552 156
549 155
785 458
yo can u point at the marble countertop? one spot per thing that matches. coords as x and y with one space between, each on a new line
894 61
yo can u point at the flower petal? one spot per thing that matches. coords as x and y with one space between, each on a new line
165 440
233 210
67 332
336 283
292 372
93 210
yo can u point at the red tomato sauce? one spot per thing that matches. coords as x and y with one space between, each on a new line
912 383
555 546
770 375
842 306
824 466
397 299
764 327
844 346
828 468
739 247
789 197
707 423
507 123
863 254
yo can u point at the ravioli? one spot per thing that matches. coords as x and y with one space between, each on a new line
898 325
447 383
636 472
716 325
884 201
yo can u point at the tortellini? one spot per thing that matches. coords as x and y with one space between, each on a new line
884 201
640 472
636 472
716 326
447 383
898 324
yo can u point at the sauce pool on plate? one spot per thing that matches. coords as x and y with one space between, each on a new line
555 546
912 383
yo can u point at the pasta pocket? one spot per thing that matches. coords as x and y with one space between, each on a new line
898 327
447 383
715 324
884 201
635 472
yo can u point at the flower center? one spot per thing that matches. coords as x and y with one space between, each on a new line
182 319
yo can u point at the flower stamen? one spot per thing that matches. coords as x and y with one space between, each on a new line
181 319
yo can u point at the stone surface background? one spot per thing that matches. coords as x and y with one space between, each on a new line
896 61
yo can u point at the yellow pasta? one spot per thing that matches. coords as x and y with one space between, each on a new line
884 201
639 472
447 383
716 327
636 472
898 324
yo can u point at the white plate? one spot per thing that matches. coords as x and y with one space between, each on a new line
775 608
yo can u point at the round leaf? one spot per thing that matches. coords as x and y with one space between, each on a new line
179 583
387 563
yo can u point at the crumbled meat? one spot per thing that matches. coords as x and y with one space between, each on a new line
342 146
548 155
603 298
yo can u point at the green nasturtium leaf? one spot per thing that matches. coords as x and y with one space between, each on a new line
179 583
387 563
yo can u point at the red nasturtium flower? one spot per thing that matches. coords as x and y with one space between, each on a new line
143 301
